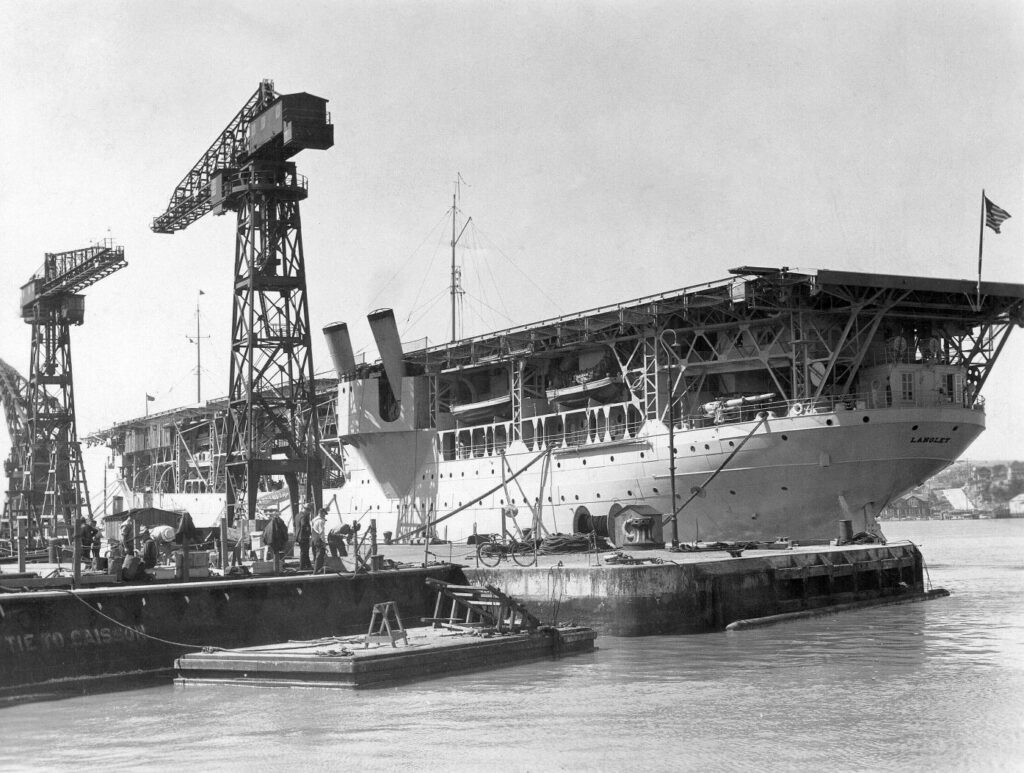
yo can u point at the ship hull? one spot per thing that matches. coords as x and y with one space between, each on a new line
793 477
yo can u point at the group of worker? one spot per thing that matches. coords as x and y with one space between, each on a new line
311 533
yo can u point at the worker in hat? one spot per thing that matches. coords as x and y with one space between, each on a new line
150 554
127 536
86 533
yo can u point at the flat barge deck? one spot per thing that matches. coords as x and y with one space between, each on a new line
425 652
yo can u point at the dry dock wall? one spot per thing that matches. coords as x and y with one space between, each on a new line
706 595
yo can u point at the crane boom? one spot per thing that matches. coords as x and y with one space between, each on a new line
14 395
68 273
191 198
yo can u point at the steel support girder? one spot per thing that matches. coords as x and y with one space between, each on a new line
272 426
55 484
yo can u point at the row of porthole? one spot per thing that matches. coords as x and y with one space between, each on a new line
576 497
477 472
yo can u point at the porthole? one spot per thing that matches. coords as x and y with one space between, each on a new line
785 488
612 458
655 491
707 447
563 497
914 428
732 492
731 444
584 462
641 454
956 427
577 497
693 449
828 422
598 496
559 465
866 419
785 437
629 493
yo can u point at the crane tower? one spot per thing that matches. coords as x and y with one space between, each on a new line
271 425
53 493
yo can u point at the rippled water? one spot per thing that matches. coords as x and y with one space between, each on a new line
934 686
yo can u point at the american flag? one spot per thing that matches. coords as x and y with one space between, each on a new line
994 215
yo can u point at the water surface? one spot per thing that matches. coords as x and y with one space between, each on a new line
937 686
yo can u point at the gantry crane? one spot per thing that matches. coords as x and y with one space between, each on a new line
272 427
53 493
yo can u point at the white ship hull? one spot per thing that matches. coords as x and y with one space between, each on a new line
795 477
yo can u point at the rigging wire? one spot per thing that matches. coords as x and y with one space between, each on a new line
528 277
496 311
494 282
425 310
408 260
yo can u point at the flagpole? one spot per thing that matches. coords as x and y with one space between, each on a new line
981 245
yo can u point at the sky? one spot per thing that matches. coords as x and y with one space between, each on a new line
608 150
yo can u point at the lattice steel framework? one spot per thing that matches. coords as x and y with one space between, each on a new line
272 400
54 492
271 426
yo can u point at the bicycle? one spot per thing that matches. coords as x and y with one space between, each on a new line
492 550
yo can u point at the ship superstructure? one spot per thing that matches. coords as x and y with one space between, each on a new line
797 398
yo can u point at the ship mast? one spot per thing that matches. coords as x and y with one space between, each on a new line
197 340
456 288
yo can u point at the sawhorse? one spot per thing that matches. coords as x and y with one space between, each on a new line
381 629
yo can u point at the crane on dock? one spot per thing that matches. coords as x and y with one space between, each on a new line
272 427
52 493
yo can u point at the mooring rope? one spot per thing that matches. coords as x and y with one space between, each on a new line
137 632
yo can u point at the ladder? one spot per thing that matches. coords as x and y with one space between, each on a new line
474 606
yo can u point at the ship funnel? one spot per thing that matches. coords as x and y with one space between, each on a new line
385 333
340 346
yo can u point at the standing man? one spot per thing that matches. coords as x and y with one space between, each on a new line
303 533
319 528
127 541
275 537
96 541
86 537
150 553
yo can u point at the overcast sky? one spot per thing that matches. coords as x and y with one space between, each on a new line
610 150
